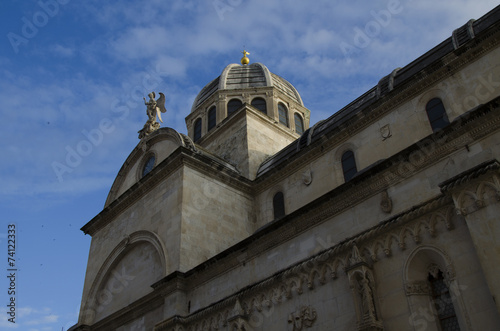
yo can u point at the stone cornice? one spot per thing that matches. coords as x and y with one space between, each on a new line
476 188
471 174
458 134
405 226
429 76
365 184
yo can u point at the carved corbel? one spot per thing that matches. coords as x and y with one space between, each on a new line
303 318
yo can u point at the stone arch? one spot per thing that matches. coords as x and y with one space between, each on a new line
152 144
467 201
113 280
487 190
431 94
422 261
420 258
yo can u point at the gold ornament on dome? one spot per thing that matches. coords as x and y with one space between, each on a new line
245 60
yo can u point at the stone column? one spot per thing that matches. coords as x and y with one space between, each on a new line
476 194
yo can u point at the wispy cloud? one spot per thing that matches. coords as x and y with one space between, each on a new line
188 44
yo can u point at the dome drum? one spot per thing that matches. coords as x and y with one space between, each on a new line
250 84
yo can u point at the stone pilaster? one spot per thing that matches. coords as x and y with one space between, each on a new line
476 195
362 284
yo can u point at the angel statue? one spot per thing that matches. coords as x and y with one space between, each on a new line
154 108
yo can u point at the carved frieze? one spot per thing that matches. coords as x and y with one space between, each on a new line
418 288
475 188
352 257
303 318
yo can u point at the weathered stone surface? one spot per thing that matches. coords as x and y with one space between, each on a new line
193 245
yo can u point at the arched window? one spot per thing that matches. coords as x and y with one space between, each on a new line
436 114
283 114
148 166
431 287
233 105
260 104
212 118
348 165
197 130
442 302
279 205
299 124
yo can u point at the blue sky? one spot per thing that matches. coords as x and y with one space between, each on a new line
73 74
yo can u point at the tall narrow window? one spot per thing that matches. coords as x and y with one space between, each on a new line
278 205
197 130
233 105
443 303
260 104
348 165
283 114
212 118
299 124
436 114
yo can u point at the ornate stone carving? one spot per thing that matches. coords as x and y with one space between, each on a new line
418 288
307 177
385 132
386 202
362 285
154 109
355 258
433 269
325 266
237 318
476 188
303 318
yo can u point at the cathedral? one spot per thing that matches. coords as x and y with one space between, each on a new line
383 216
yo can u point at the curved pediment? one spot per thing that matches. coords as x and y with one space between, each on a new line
150 152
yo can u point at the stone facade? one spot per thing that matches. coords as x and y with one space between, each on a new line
257 227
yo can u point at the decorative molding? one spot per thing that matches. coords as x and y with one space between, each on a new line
418 288
345 258
386 202
303 318
429 150
476 188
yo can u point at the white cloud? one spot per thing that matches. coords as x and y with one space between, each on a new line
63 51
184 45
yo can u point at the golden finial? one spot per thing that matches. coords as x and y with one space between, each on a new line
244 59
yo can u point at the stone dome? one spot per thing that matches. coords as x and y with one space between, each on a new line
236 76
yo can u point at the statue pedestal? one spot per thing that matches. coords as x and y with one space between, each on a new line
149 127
